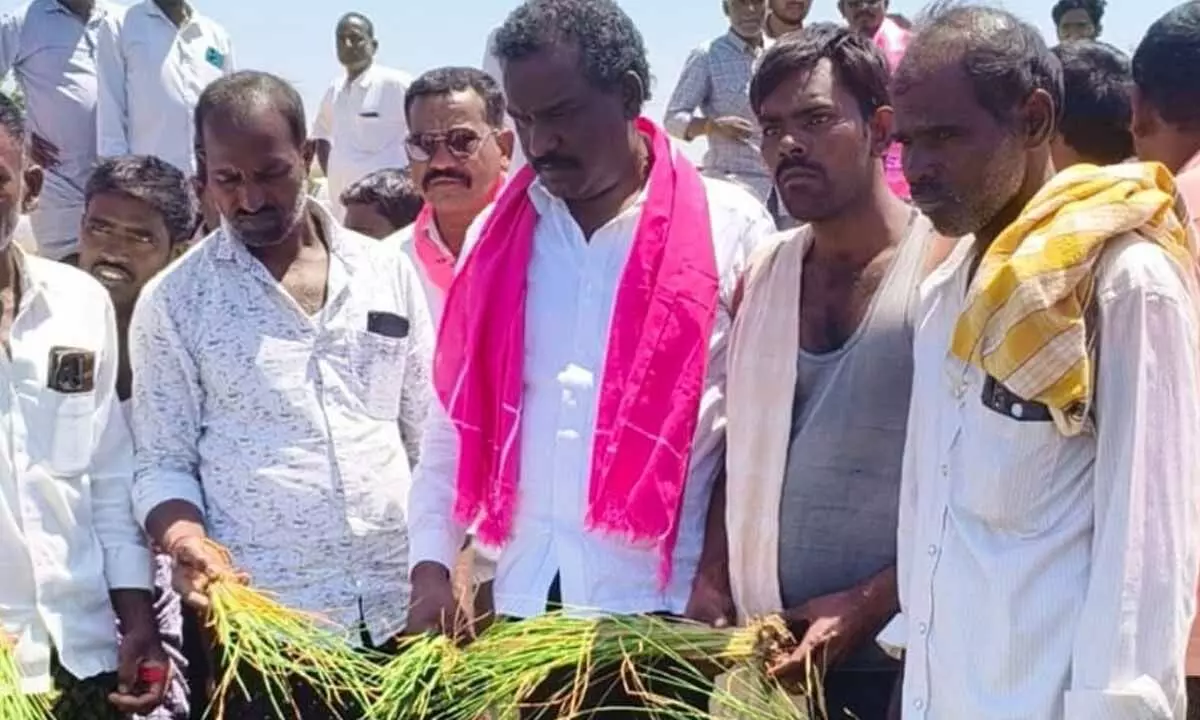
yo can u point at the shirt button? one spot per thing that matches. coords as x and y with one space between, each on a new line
945 470
923 629
932 550
919 704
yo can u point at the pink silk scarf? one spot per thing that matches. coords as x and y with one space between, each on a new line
436 260
654 370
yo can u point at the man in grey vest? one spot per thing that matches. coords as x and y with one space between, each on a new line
814 474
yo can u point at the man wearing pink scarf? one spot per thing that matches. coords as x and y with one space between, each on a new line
870 17
459 150
581 357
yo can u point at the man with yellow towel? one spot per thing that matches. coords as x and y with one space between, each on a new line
1047 557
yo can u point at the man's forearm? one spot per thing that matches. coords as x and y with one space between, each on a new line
134 610
880 598
173 521
714 556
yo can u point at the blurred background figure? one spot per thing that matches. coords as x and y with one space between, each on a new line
381 203
1097 105
711 100
360 126
154 59
1078 19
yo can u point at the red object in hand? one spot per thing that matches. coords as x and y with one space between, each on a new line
152 674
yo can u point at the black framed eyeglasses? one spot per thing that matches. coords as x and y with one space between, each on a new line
462 143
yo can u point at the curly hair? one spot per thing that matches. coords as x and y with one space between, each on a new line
446 80
391 191
609 42
1093 8
155 182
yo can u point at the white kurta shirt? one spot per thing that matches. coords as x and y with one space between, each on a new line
572 287
67 530
151 76
1044 577
52 55
365 125
295 435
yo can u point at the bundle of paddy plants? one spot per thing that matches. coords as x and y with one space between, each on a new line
497 674
14 704
280 646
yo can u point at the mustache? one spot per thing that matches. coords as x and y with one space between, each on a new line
793 162
111 265
927 191
433 175
554 162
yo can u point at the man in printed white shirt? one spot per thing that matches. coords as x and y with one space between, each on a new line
459 150
140 213
360 125
1047 545
711 99
73 559
280 381
595 490
153 61
50 48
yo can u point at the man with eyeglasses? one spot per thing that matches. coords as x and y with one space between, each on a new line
460 151
360 126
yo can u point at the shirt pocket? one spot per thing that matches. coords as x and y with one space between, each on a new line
1008 478
71 433
378 365
373 129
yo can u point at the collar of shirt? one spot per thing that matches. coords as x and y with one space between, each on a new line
191 22
363 80
743 46
548 204
99 10
347 255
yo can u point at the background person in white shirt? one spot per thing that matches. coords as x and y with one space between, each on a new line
139 216
459 149
1046 572
73 560
360 125
381 204
50 48
280 383
577 78
153 60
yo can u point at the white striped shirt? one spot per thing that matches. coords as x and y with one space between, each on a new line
1044 577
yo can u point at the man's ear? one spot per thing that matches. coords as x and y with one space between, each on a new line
1038 115
880 127
633 95
507 140
34 178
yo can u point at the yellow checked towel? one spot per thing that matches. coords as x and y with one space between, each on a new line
1024 319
